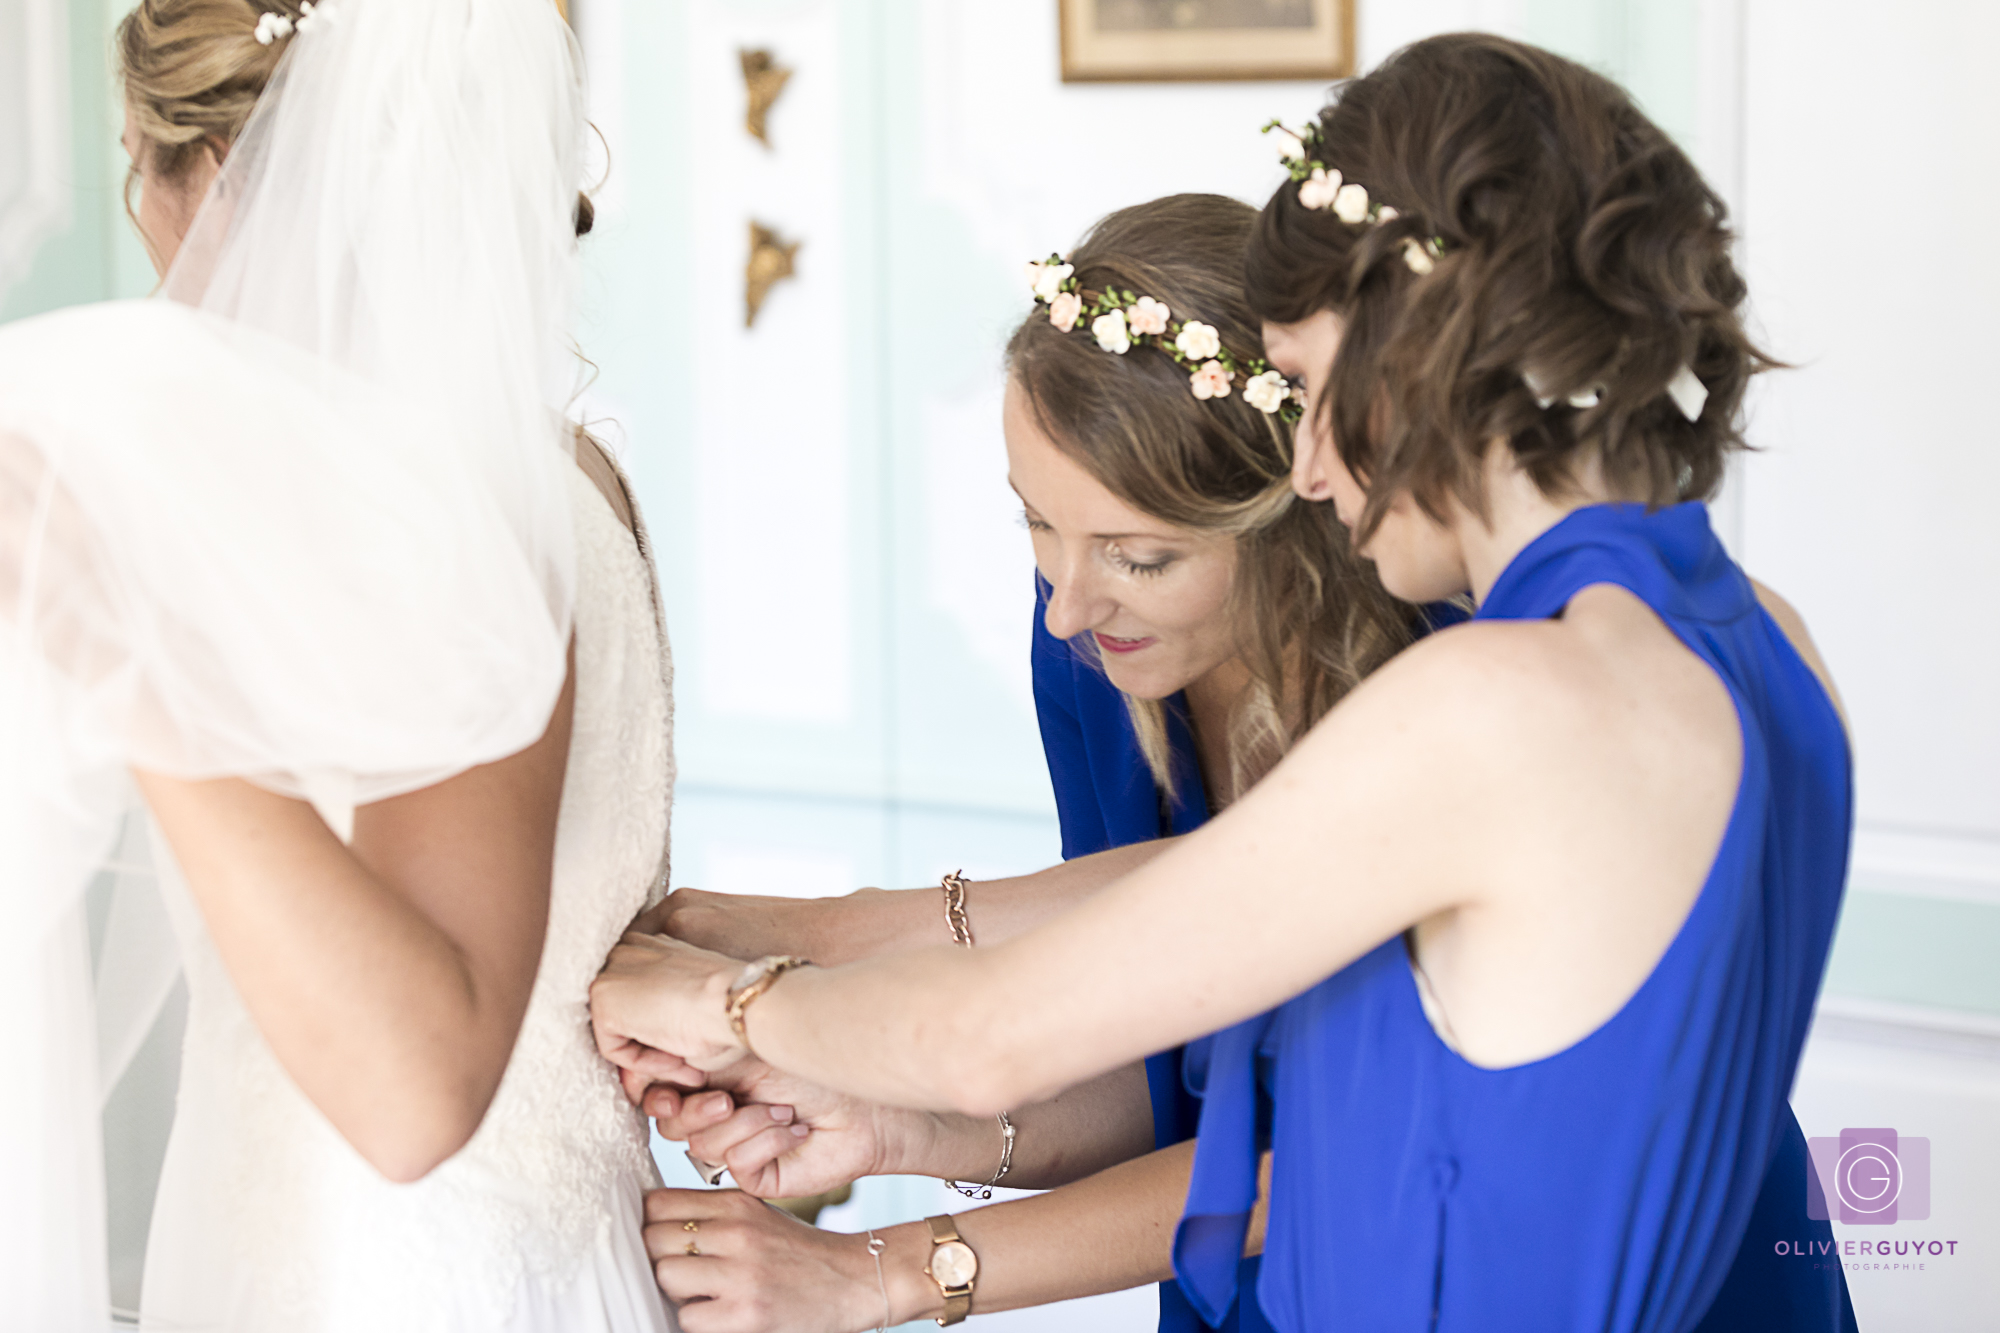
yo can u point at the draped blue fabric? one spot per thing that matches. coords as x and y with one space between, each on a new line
1105 798
1620 1184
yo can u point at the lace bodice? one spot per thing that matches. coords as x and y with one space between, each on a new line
268 1219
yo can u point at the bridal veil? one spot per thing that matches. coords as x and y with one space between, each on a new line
301 519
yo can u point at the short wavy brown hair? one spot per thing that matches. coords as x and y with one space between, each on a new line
1577 242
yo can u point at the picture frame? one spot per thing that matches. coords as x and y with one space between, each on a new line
1205 40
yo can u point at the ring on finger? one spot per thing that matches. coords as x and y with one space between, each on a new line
693 1250
690 1226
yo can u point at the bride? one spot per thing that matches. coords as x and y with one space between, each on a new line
374 634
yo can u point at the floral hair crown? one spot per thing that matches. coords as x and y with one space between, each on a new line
1121 321
1321 187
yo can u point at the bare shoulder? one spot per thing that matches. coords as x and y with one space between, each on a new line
603 474
1467 704
1794 627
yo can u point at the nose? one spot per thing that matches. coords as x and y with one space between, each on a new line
1075 604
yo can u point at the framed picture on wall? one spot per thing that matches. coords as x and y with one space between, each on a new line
1160 40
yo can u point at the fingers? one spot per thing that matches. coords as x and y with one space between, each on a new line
681 1115
771 1128
749 1256
764 1164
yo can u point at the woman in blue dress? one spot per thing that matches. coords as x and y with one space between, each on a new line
1542 906
1158 699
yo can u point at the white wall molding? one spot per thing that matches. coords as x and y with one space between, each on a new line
35 164
1910 1027
1951 865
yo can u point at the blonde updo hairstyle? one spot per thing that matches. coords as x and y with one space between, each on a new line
193 71
1311 618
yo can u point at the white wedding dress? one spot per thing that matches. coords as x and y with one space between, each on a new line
268 1222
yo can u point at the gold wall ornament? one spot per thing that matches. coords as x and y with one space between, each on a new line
764 80
770 263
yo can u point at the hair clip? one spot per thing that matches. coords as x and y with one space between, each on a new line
1686 390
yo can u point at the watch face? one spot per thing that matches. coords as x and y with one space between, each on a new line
954 1264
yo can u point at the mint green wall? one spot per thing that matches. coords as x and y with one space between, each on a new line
97 257
1647 45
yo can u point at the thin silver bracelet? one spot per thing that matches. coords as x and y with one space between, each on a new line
1006 1164
875 1247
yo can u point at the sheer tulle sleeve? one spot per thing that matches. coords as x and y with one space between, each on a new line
303 521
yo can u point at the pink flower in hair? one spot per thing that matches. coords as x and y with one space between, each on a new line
1211 381
1149 316
1318 190
1065 309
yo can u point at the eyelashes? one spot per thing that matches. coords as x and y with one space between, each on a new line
1119 560
1147 569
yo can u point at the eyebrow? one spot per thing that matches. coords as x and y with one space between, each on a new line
1097 536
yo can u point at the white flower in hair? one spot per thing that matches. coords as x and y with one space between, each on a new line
1350 203
1386 214
1211 381
1047 279
1319 189
1416 256
1198 341
1291 148
1267 392
272 27
1149 316
1065 309
1109 330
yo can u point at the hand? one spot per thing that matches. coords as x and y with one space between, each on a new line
782 1137
658 1009
758 1270
747 925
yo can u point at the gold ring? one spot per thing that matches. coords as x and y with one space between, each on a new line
690 1226
694 1250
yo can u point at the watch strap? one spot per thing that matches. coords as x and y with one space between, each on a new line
957 1300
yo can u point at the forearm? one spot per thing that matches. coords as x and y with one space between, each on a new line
1091 1127
1111 1231
371 1008
873 922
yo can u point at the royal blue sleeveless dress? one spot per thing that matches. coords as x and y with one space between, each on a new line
1616 1185
1105 798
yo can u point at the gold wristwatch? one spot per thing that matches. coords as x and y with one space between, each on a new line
954 1267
